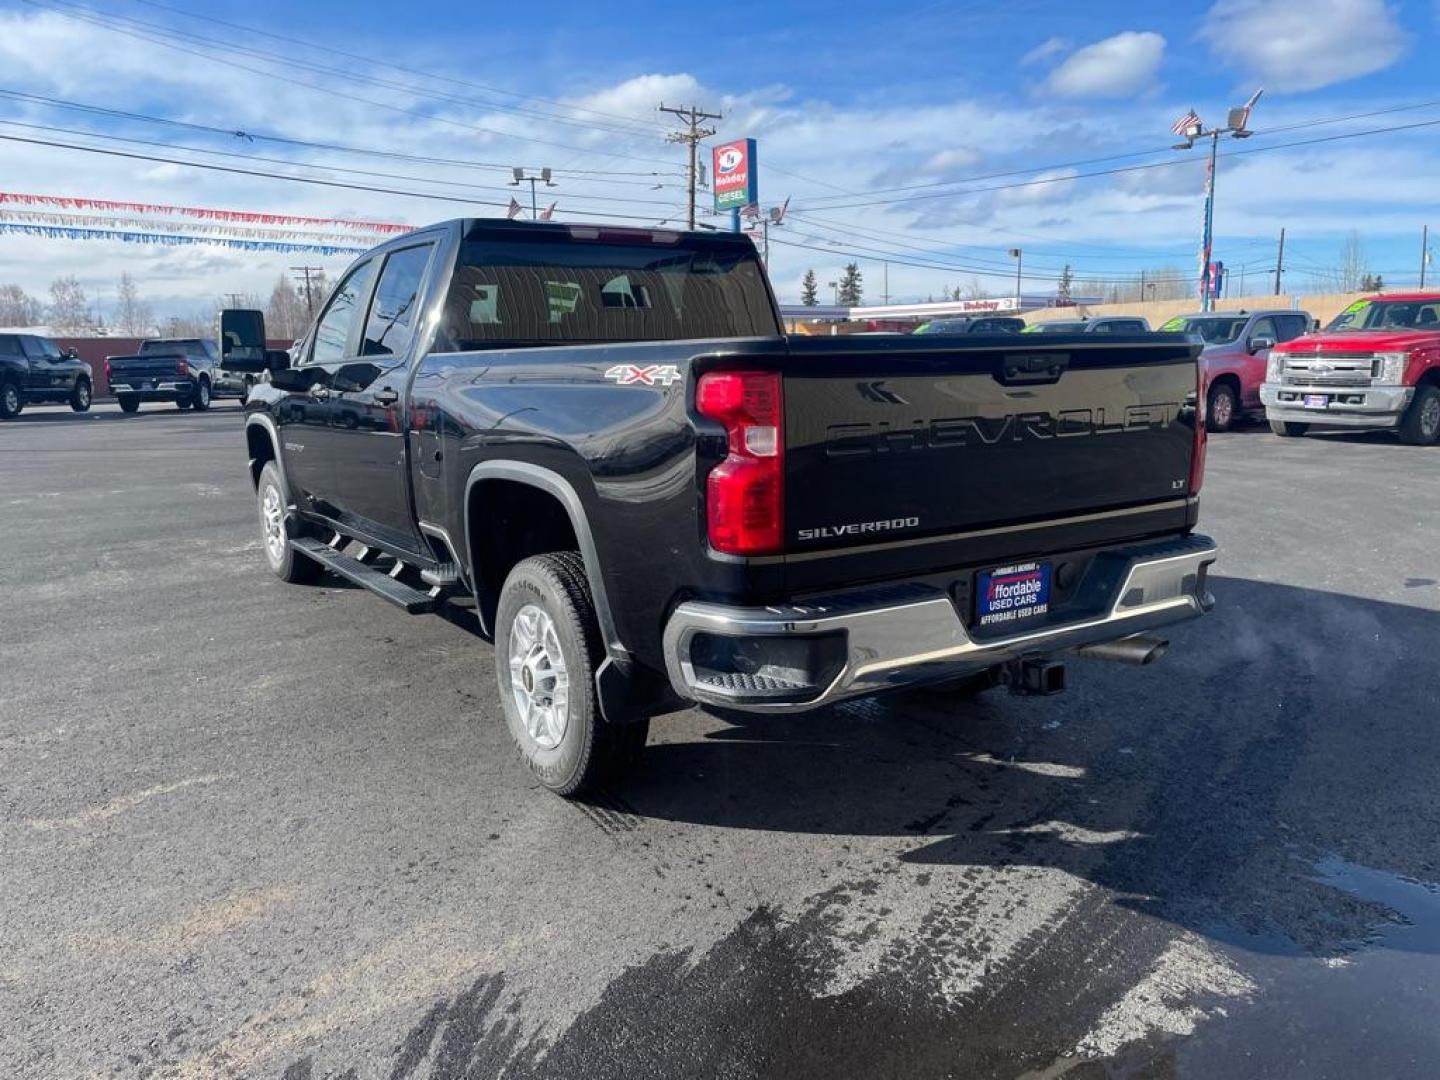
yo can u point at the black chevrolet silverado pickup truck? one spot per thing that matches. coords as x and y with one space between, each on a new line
599 444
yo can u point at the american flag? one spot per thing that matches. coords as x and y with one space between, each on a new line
1185 123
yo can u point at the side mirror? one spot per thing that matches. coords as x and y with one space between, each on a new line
1261 342
242 340
277 360
72 353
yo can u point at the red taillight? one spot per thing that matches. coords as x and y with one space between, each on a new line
1197 454
182 366
745 493
107 371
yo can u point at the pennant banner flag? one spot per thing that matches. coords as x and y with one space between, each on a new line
63 202
57 232
143 224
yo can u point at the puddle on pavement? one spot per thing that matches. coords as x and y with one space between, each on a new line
1373 1011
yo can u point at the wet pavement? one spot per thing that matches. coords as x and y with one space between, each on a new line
252 830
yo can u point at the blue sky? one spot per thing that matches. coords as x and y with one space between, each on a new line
847 104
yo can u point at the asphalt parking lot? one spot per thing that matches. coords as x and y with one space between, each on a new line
258 830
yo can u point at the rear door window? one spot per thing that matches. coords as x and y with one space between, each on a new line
338 321
10 345
393 313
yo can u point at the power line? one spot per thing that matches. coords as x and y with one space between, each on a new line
1040 181
252 135
389 63
429 117
235 169
308 165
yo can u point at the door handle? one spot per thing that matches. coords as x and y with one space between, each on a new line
319 393
386 395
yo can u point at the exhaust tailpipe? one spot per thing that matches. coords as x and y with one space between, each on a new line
1139 650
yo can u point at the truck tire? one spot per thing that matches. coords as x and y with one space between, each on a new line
183 404
11 400
80 396
1222 407
128 402
547 648
285 562
1420 426
1288 428
200 399
246 388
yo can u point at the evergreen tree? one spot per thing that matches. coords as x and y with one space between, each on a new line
1062 289
809 289
852 287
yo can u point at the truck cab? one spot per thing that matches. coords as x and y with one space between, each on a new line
1232 363
1376 365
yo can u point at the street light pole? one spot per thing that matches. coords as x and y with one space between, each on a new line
1019 257
1191 127
543 177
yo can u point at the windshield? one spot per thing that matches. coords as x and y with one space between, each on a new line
507 293
1388 315
1216 330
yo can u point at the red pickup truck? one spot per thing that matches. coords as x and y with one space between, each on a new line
1377 365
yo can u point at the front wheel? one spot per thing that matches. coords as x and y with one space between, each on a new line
1420 426
1221 407
285 562
10 400
80 396
547 648
1288 428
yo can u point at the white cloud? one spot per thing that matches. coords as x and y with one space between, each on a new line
1114 67
1045 50
949 161
1305 44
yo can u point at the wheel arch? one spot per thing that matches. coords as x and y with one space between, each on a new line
263 442
563 494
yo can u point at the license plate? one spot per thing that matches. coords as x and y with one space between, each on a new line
1316 401
1010 593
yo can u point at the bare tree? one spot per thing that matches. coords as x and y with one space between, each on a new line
132 314
1351 269
69 311
285 314
19 308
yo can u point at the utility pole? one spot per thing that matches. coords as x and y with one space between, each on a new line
1142 286
306 271
1280 263
1019 257
1191 127
234 298
692 116
886 294
543 177
1424 252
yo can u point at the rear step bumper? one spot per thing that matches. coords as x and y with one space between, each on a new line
791 658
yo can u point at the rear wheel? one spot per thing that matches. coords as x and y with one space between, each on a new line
285 562
547 648
183 404
201 396
80 396
1221 407
128 402
10 400
1288 428
245 390
1420 426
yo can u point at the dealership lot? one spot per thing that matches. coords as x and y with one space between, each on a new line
258 830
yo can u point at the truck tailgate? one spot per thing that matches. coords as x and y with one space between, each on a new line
158 366
892 439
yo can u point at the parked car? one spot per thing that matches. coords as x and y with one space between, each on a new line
1102 324
184 371
34 369
973 324
1377 365
598 443
1232 363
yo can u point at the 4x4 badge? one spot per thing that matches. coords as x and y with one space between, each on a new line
649 375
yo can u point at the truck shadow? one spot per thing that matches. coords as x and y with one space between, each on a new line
1290 725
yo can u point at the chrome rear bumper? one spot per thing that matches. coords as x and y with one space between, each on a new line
792 658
